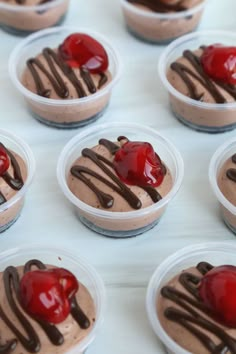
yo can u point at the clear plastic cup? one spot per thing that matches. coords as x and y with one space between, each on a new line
200 116
160 27
22 19
62 113
127 223
223 153
84 272
11 209
216 253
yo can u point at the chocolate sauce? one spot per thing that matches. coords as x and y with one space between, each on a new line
22 2
15 181
231 172
159 6
233 158
9 347
187 75
44 2
57 65
31 341
106 200
2 198
186 316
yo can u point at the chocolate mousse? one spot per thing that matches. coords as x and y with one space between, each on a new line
204 75
29 323
21 19
227 183
13 173
197 310
76 69
158 28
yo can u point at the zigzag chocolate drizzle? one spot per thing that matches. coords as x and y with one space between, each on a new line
15 181
189 318
55 62
159 6
187 75
31 341
22 2
231 172
106 200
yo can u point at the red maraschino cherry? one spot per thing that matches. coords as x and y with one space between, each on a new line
46 294
219 62
79 49
136 163
4 160
218 292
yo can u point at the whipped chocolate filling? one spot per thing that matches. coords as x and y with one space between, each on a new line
208 83
159 6
105 199
231 172
54 60
15 181
189 318
31 341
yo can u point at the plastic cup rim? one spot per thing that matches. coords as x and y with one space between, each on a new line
34 8
156 15
212 174
162 69
60 102
159 274
30 165
118 215
90 270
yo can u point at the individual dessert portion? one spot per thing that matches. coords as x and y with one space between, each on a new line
43 309
25 16
197 309
120 176
76 70
13 173
162 20
207 76
227 184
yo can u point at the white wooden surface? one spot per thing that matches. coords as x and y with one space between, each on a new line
47 218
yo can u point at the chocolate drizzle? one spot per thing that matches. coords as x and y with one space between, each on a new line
22 2
57 65
160 6
186 315
106 200
31 341
15 181
187 75
9 347
231 172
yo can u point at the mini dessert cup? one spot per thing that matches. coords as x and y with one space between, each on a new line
84 272
160 27
201 116
61 113
228 210
11 209
216 253
23 19
127 223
